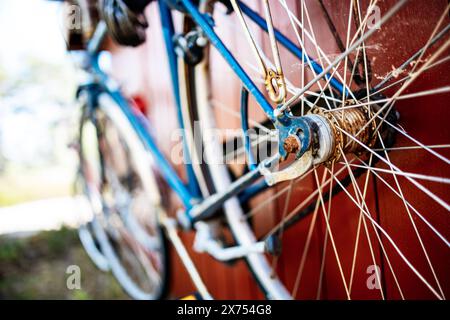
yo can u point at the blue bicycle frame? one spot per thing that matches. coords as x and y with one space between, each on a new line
189 192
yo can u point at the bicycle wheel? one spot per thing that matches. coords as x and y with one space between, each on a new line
85 229
371 221
126 201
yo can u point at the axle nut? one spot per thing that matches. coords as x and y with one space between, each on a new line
292 144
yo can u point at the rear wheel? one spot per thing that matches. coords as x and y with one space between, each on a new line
373 222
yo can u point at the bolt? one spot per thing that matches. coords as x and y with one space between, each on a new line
273 245
201 41
292 144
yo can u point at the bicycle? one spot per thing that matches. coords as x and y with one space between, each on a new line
328 138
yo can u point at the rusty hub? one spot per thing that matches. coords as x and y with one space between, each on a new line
351 129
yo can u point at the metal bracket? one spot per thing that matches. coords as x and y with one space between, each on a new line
293 171
289 125
190 46
206 242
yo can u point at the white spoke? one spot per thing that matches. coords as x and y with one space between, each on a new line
389 105
440 61
447 161
321 52
418 185
447 243
408 62
407 174
325 240
305 250
414 225
302 45
394 245
380 242
331 237
302 204
435 146
361 219
403 97
342 56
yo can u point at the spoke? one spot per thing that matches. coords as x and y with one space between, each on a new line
331 237
302 4
280 235
311 228
443 60
447 161
376 231
320 60
342 56
430 40
361 219
363 45
418 185
406 96
407 174
302 45
350 15
435 146
360 30
394 245
389 105
408 62
402 197
438 234
325 240
312 39
301 205
322 93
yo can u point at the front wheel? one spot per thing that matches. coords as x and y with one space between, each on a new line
126 200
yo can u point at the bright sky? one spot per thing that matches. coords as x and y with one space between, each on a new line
31 32
30 27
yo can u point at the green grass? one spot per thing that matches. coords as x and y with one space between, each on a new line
35 268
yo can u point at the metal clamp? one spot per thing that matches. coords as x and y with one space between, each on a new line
293 171
274 79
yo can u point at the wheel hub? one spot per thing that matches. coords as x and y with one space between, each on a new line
348 130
